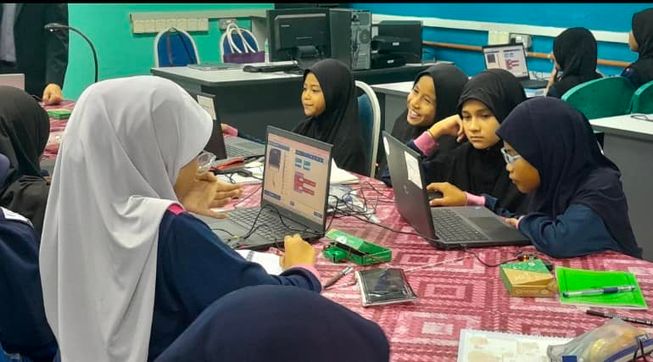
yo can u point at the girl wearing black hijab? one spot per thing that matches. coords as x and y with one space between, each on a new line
24 132
331 108
574 52
578 206
433 98
278 323
478 166
640 40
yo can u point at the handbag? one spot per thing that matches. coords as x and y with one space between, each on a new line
246 52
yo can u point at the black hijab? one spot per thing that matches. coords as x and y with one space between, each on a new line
448 81
575 52
24 132
257 323
484 171
338 124
643 33
559 142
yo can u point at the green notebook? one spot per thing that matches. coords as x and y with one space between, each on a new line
570 280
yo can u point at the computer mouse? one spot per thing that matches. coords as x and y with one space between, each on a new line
251 69
434 195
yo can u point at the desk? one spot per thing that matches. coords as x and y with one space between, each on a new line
459 294
251 101
629 144
392 99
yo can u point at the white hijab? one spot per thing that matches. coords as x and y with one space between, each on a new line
113 180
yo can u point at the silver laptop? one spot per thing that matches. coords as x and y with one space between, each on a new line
444 227
511 57
226 148
293 199
13 80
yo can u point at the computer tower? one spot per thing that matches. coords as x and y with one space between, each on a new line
351 37
407 29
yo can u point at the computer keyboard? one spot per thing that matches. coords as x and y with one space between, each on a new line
271 68
235 151
272 229
534 83
451 227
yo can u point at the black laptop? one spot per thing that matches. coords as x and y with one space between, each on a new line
511 57
226 148
444 227
293 199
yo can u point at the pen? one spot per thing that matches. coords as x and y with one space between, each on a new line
337 277
599 291
647 322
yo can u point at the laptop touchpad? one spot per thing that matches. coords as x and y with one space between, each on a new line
493 227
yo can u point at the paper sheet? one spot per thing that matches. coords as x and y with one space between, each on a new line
269 261
341 177
484 346
207 104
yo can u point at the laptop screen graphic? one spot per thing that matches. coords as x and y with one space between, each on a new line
510 57
296 177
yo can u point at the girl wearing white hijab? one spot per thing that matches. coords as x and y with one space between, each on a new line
124 268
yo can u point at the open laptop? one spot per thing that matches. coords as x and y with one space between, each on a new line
226 148
444 227
511 57
293 199
13 80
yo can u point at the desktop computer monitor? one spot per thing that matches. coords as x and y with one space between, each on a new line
298 34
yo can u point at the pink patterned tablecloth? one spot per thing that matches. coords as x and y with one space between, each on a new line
57 127
461 293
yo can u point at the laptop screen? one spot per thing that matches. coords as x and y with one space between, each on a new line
509 57
296 174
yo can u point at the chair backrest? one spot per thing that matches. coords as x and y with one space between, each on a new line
174 48
235 39
369 114
603 97
643 99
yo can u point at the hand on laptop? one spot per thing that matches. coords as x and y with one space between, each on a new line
511 221
297 252
452 126
452 196
52 94
200 197
229 130
225 192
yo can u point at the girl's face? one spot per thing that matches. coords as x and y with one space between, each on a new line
312 97
632 42
479 124
421 103
525 177
186 178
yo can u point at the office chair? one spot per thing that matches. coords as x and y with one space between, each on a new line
174 48
369 114
642 101
604 97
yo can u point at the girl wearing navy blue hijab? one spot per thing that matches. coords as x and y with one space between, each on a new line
578 206
640 40
279 323
574 51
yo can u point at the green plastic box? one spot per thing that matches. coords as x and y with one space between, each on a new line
346 247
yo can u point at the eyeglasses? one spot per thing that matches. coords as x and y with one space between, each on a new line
508 157
205 160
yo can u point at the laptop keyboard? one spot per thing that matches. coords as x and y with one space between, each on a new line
235 151
273 229
451 227
533 83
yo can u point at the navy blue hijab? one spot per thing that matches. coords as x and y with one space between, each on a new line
575 52
642 28
558 141
278 323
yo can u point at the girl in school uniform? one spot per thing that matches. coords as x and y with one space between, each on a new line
578 206
477 175
331 107
24 132
574 53
433 98
125 267
260 319
640 40
24 331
